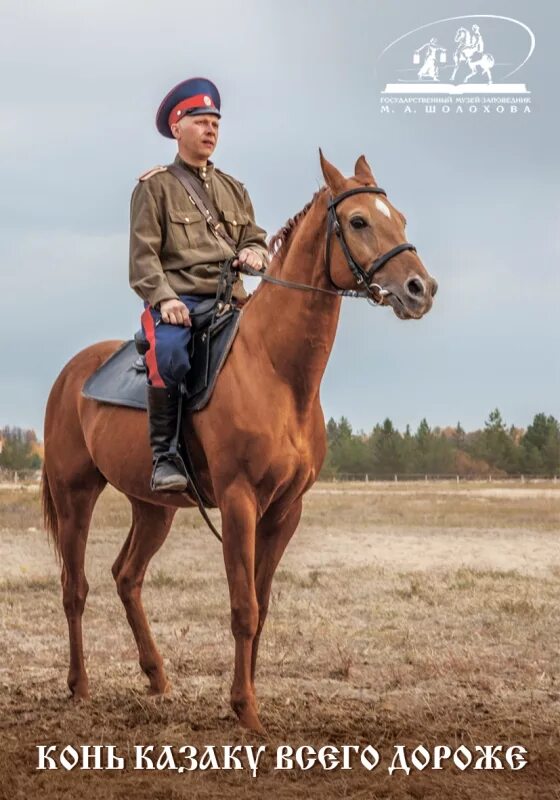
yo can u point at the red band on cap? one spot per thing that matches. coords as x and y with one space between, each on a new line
197 101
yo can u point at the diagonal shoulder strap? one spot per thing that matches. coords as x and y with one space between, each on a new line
202 201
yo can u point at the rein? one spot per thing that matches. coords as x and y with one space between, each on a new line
373 292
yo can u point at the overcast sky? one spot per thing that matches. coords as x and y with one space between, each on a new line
81 82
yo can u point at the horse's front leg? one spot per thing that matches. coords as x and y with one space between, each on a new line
239 516
274 531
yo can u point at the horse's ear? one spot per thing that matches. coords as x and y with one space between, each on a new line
334 179
363 172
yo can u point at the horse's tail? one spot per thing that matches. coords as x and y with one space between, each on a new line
50 517
491 61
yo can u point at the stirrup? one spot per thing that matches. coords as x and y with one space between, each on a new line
178 464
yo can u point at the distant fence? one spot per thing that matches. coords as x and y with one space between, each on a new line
17 476
366 477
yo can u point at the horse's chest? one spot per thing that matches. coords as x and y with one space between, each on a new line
296 457
291 460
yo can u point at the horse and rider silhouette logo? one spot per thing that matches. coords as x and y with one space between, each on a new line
472 54
469 51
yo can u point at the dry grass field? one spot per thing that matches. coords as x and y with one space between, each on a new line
401 614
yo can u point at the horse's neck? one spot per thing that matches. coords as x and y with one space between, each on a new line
297 328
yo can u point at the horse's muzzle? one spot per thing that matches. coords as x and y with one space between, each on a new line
413 299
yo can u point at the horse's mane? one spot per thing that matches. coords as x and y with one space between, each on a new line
278 243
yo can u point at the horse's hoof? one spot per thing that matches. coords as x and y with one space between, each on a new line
80 696
164 688
248 717
252 723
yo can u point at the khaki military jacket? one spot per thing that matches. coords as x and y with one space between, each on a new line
172 250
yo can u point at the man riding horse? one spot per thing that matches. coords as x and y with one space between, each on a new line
175 257
253 465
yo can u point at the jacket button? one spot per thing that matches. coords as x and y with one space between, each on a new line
235 222
186 219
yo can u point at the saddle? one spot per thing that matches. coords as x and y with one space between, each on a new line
121 380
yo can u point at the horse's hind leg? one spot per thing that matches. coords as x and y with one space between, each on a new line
74 507
149 530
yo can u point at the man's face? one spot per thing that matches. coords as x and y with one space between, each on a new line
197 136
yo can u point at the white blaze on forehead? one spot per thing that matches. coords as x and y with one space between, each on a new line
383 207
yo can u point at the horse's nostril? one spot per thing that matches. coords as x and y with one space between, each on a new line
415 287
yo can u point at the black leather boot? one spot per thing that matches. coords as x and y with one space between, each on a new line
163 406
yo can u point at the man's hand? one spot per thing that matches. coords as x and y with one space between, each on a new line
175 312
249 257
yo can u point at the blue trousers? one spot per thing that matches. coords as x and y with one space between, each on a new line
167 359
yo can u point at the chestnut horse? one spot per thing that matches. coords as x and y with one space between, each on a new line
257 446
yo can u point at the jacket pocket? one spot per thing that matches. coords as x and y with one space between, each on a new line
188 228
234 222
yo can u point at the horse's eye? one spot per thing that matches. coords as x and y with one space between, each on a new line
358 222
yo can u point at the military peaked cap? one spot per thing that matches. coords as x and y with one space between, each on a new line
193 96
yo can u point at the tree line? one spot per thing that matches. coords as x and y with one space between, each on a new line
19 449
496 449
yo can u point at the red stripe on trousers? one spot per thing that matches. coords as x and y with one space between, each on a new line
151 361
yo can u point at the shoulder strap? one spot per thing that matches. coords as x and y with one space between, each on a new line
202 201
153 171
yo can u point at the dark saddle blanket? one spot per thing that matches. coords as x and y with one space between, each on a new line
121 380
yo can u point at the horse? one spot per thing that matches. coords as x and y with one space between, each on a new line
464 53
257 446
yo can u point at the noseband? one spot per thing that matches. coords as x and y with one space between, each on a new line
373 292
363 277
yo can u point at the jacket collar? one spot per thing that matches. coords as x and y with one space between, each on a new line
202 173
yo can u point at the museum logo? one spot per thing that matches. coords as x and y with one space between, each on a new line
472 64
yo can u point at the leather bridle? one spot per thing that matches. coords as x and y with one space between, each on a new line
363 277
373 292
